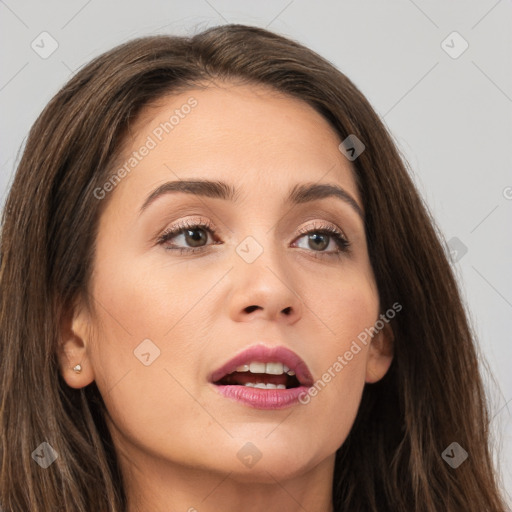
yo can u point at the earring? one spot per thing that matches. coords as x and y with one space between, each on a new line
77 368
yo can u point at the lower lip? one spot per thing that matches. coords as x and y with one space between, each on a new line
263 398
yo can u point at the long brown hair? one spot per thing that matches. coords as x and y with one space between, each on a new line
432 395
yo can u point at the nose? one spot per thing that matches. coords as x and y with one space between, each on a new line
264 290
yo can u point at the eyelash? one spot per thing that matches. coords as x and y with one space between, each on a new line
339 238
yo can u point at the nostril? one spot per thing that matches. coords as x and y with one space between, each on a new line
250 309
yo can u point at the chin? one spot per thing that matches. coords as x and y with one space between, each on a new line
272 469
265 461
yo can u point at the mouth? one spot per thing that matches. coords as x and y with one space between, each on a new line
271 375
263 377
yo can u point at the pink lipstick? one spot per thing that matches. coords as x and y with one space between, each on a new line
263 377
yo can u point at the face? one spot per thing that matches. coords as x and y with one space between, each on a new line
184 282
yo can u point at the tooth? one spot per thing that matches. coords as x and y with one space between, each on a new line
281 386
257 367
290 372
262 385
250 384
274 368
243 368
285 368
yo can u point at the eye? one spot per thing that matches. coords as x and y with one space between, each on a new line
320 237
194 233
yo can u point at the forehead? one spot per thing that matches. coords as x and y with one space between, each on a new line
251 136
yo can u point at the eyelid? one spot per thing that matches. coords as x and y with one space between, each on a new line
322 225
186 224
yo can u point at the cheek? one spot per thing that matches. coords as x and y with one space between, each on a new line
145 317
346 307
150 297
142 352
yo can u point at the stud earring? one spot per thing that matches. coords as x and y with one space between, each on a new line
77 368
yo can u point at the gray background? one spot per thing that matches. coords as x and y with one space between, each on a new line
450 114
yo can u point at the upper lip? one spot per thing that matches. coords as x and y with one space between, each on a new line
263 354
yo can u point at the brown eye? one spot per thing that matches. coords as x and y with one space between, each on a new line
194 237
319 239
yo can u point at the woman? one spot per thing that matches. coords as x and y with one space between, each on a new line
220 290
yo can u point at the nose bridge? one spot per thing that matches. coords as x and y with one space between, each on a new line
262 285
259 249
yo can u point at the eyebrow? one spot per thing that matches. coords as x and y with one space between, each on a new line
299 194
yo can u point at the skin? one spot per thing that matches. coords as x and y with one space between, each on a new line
177 438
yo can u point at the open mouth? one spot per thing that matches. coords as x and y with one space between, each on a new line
263 377
272 375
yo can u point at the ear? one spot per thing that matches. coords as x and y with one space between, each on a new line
380 354
74 336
